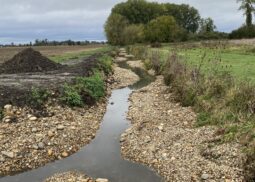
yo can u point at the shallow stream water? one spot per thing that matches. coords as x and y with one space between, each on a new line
102 157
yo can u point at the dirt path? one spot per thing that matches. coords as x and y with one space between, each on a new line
163 137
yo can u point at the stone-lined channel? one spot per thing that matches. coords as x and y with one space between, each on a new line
102 157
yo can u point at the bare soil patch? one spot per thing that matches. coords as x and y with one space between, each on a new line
30 69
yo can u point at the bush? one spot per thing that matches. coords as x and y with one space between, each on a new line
243 32
38 96
71 96
105 64
140 52
84 90
243 99
162 29
93 85
133 34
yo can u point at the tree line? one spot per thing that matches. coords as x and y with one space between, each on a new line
139 21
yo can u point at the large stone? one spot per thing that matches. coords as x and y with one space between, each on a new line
61 127
33 118
8 154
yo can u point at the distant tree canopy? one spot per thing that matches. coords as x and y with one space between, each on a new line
141 21
247 30
114 28
186 16
162 29
206 25
248 7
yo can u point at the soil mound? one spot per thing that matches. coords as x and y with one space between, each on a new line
28 60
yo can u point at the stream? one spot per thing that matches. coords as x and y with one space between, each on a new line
102 157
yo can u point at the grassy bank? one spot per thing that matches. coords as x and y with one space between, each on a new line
199 77
237 59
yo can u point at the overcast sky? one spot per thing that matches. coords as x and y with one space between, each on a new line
25 20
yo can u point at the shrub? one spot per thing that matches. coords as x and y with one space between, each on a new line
140 52
93 85
71 96
243 32
243 99
105 63
84 90
38 96
133 34
162 29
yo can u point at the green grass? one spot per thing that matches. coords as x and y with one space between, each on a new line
240 61
79 55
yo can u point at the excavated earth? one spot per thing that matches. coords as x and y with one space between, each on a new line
30 69
164 138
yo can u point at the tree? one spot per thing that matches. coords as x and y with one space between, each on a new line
114 28
186 16
248 8
133 34
138 11
206 25
162 29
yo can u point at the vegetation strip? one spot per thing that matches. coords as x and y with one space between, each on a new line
216 96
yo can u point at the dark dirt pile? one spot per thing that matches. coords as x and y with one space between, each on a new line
28 60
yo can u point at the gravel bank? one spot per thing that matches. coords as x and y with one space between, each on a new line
123 77
136 64
29 142
163 137
73 177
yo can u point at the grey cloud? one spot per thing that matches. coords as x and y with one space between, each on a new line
26 20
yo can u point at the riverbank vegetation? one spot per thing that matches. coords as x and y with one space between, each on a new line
203 77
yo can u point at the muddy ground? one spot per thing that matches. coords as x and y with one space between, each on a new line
15 87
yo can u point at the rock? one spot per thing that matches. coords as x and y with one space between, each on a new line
34 130
41 145
50 134
160 128
33 118
120 59
147 139
204 176
50 152
64 154
130 56
35 147
2 159
102 180
61 127
8 107
8 154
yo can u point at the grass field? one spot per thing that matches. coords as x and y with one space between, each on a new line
56 53
238 59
